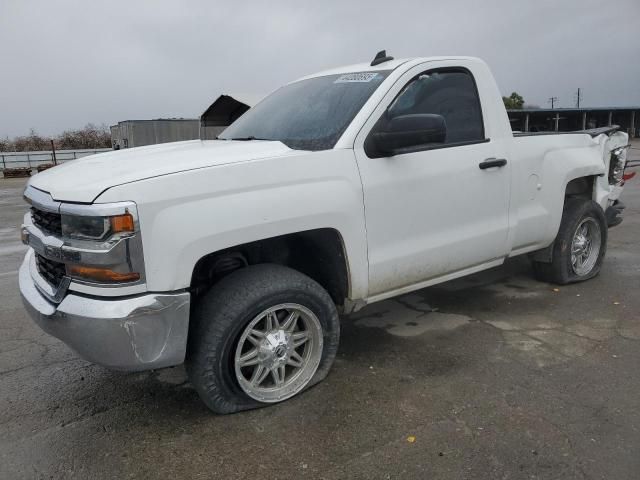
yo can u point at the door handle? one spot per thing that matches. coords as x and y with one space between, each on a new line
492 162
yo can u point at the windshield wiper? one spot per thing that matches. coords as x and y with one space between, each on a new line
249 138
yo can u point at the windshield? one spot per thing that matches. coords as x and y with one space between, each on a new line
310 114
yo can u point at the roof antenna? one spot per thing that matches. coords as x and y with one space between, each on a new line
380 57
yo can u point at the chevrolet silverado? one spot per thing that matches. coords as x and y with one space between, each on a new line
340 189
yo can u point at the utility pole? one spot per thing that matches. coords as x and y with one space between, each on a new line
578 98
552 101
53 153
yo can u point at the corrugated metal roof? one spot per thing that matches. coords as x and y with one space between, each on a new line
227 108
156 120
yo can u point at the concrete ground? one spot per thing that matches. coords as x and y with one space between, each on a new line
492 376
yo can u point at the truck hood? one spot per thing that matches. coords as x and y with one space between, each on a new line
84 179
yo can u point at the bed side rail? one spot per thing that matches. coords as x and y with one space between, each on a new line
594 132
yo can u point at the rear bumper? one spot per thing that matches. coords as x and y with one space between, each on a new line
128 333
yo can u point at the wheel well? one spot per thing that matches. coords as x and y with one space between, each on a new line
581 187
318 254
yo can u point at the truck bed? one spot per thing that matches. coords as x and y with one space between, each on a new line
594 132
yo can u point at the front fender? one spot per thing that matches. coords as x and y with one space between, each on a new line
187 215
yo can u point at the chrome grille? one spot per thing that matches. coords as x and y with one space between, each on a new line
51 271
47 221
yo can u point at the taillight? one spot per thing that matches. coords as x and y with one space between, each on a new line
616 165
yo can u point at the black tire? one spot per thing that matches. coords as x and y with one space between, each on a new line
220 316
560 270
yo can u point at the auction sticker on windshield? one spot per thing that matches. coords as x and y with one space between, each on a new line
356 77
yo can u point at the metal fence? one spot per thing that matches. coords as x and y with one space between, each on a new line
33 159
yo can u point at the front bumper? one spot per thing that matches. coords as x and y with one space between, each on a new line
128 333
613 214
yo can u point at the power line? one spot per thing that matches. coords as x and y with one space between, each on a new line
552 101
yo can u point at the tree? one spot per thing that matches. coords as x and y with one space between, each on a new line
31 142
91 136
513 101
5 145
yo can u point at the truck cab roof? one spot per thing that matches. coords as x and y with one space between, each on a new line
389 65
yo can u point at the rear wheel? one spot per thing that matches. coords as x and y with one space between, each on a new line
261 335
579 247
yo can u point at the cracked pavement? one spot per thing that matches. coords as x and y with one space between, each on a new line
490 376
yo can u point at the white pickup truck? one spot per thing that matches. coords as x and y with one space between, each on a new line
340 189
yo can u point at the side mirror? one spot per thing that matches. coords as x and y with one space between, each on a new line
406 131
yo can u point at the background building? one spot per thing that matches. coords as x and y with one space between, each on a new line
136 133
226 109
218 116
223 112
571 119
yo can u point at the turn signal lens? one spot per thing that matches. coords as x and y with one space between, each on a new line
103 275
122 223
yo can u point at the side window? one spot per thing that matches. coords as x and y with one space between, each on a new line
450 93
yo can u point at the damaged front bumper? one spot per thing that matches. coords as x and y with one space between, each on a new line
613 214
128 333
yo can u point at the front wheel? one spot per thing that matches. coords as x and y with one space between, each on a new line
579 247
261 335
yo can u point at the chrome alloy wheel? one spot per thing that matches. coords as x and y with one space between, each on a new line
585 246
278 352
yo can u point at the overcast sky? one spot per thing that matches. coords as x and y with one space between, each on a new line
66 63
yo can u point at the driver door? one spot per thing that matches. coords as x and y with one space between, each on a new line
432 211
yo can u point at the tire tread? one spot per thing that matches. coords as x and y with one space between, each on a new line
216 317
559 270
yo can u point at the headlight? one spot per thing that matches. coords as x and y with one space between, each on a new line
96 228
96 244
102 243
616 164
